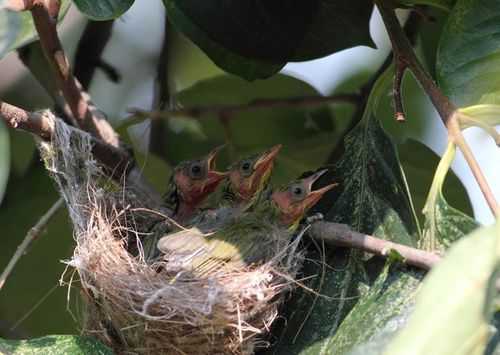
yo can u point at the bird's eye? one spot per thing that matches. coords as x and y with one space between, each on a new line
196 171
298 192
246 168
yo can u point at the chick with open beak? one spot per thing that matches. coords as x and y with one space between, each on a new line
249 239
249 177
298 197
191 183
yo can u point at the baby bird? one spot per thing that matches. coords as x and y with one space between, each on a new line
246 185
249 239
191 183
249 178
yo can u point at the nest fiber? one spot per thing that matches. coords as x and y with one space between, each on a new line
139 307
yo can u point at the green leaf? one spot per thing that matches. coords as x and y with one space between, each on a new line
443 223
392 294
468 62
307 133
103 9
372 198
156 170
55 345
419 164
4 159
256 38
17 29
454 308
24 147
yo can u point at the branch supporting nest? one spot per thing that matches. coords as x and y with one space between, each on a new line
341 235
41 124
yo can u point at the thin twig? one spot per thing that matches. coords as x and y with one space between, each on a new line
337 234
32 234
229 110
405 57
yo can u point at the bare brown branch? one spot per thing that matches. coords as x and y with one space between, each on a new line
336 234
45 18
405 57
115 160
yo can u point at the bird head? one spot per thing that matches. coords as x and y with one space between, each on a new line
194 180
249 176
295 199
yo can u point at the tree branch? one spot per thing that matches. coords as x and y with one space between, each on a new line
341 235
88 55
405 57
229 110
45 14
32 234
115 160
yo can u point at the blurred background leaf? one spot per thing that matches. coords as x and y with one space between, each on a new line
17 29
468 62
103 10
255 39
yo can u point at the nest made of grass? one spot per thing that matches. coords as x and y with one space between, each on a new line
136 306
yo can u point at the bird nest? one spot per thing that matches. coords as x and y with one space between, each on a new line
136 306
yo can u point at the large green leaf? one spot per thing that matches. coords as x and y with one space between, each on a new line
454 306
4 159
307 133
17 29
468 62
255 38
103 9
55 345
372 198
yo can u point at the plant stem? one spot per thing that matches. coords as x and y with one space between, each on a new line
341 235
457 137
32 234
405 57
